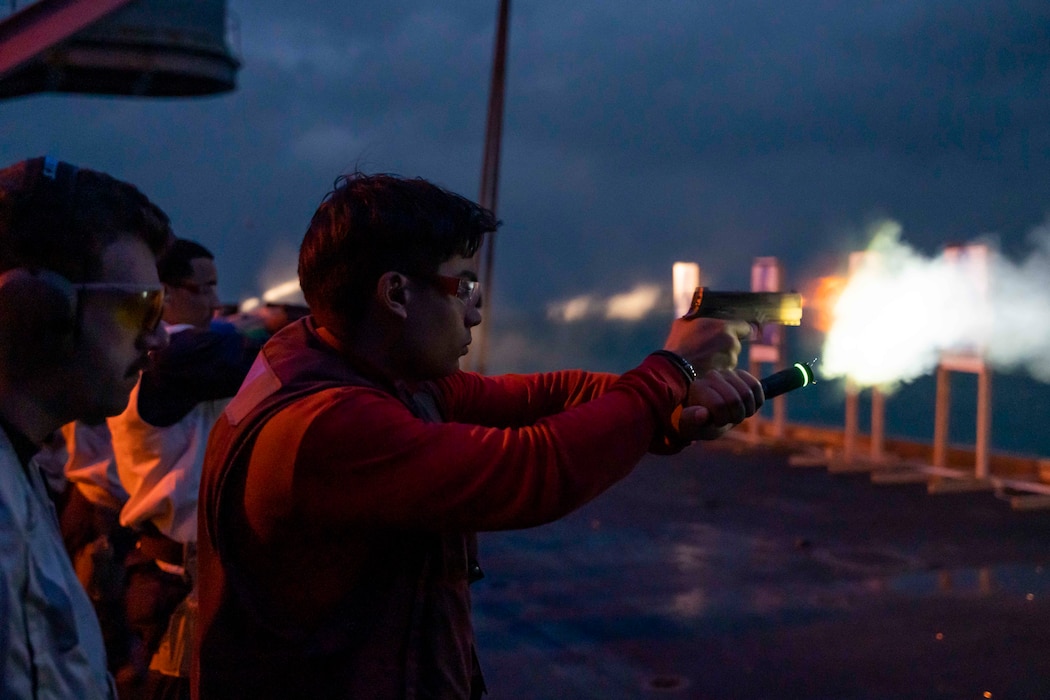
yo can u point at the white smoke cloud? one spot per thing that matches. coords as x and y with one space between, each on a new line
633 305
900 310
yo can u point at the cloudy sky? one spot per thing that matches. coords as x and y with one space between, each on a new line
636 133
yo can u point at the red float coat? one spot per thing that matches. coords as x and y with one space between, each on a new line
338 511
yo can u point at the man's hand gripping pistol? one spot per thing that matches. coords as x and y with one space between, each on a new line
784 308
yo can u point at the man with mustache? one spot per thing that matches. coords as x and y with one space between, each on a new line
80 308
344 483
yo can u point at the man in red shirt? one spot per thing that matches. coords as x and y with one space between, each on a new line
344 483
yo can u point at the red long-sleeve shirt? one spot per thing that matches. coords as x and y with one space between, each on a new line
343 475
509 456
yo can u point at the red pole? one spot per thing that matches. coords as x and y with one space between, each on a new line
42 24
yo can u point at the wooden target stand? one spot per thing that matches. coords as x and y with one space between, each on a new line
963 479
939 475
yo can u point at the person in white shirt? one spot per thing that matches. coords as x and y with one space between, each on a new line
159 442
80 305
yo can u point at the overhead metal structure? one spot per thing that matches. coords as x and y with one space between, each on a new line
153 48
490 166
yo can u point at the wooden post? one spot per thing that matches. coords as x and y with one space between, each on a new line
941 410
973 260
767 275
878 425
849 436
984 423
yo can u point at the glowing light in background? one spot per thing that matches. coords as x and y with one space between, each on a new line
572 310
898 311
282 291
633 305
685 278
286 292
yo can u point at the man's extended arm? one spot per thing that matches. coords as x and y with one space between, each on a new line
366 459
515 400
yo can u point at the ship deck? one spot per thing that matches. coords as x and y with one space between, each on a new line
727 572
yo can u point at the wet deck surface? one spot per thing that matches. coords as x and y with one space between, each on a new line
724 572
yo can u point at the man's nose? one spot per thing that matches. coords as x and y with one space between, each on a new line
473 316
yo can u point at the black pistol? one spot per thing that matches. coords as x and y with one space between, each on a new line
783 308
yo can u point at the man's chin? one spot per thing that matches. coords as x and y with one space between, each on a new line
447 371
93 417
113 407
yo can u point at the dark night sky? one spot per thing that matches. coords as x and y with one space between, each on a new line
636 134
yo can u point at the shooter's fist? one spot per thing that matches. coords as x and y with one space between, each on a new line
718 400
707 343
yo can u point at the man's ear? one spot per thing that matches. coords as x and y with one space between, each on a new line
392 293
37 316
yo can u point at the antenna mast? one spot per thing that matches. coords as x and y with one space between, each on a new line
490 167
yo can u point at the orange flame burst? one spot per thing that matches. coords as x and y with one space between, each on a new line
820 298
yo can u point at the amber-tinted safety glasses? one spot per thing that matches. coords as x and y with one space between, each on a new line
136 308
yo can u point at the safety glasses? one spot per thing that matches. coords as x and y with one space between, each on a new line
197 289
466 290
135 307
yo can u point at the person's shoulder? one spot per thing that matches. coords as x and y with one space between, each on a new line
340 413
346 396
342 404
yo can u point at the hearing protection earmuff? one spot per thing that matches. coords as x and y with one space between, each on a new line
38 306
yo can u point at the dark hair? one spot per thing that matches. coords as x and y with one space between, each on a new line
372 224
58 217
173 266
